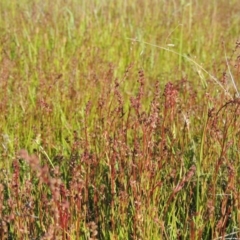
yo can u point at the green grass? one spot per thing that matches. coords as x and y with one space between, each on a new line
119 119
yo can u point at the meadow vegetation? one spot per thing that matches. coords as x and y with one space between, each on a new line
119 119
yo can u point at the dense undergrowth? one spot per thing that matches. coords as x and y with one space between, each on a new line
119 119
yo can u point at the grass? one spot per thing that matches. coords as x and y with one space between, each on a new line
119 119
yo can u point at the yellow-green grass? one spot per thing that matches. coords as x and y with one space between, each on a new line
119 119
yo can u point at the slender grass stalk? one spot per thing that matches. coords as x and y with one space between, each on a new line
190 60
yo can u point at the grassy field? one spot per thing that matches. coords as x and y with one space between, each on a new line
119 119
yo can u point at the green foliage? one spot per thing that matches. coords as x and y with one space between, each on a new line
119 119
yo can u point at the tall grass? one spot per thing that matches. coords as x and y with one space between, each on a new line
119 119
